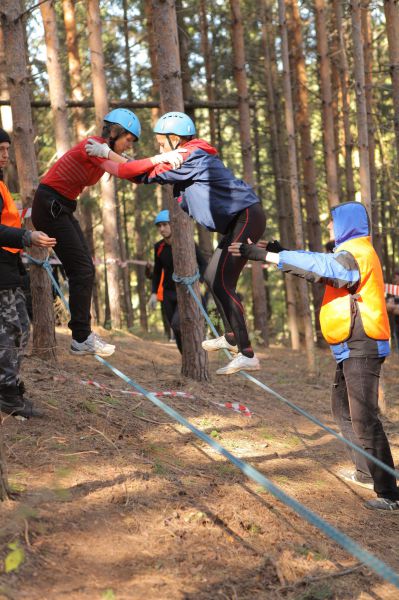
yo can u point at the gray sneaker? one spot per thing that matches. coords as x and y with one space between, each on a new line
93 345
351 477
383 504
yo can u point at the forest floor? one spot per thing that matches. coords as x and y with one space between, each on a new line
116 501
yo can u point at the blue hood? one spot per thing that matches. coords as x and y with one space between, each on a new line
350 220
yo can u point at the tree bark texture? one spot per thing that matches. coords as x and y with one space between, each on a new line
361 109
194 359
11 174
108 193
274 109
391 9
55 79
206 49
44 344
240 77
343 68
4 487
327 106
293 173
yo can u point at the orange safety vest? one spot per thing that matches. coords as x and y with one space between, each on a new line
10 214
336 310
160 289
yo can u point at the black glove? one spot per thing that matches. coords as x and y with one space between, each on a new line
274 246
252 252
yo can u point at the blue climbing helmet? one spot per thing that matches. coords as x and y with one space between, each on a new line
176 123
126 119
162 217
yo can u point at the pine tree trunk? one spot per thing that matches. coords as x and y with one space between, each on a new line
368 66
194 360
206 53
109 210
274 109
4 487
345 85
18 84
327 108
293 175
361 109
391 10
75 77
55 78
258 283
307 153
11 175
140 270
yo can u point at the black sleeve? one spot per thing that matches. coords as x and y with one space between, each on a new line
157 273
201 262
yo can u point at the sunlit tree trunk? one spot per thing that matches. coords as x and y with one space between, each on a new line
307 152
274 108
11 175
345 85
368 66
75 77
55 79
207 56
361 109
327 107
109 210
293 175
44 344
194 360
240 77
391 10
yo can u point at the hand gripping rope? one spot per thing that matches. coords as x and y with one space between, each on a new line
188 282
342 539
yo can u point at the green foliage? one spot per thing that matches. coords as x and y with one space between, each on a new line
108 594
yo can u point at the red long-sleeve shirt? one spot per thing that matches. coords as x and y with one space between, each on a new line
76 170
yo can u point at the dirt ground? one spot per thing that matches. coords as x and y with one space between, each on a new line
116 501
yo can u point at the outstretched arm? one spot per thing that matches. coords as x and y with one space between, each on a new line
339 270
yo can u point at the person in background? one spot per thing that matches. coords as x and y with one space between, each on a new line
53 210
354 322
14 320
163 286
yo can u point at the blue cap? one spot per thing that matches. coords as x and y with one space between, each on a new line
162 217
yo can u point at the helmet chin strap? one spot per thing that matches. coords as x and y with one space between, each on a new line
171 143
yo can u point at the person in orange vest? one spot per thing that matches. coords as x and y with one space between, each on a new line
14 320
354 321
163 287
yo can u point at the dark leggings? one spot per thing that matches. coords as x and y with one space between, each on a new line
224 270
53 214
172 314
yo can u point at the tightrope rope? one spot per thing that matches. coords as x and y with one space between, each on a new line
341 538
47 266
298 409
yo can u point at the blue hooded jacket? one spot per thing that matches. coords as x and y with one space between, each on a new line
340 270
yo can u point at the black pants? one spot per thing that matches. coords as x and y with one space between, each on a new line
169 305
224 270
354 403
53 214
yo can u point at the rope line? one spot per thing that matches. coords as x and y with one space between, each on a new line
47 266
341 538
298 409
352 547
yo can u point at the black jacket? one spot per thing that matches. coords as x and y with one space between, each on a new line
163 261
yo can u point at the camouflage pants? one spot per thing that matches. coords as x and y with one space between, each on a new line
14 334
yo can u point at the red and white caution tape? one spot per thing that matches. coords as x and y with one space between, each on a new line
391 288
236 407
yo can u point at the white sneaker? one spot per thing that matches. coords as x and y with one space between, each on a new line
93 345
218 344
240 363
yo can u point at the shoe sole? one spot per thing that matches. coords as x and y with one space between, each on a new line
232 350
382 510
88 353
232 371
